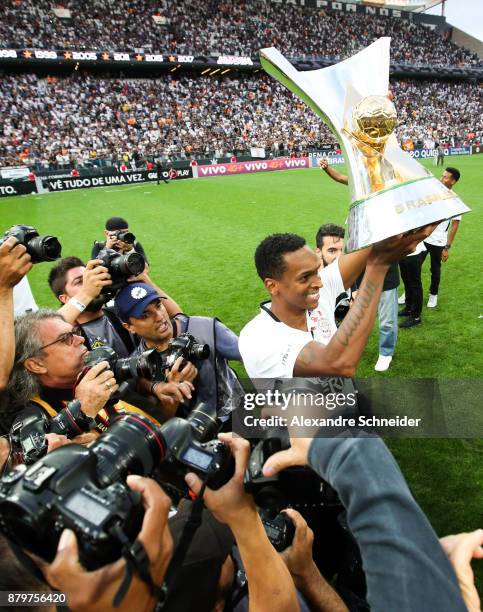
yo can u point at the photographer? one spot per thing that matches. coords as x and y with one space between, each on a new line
144 313
15 262
117 229
405 566
307 578
94 591
270 586
49 356
79 287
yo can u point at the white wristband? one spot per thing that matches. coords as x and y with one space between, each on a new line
76 304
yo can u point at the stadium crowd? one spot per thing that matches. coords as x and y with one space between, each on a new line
219 26
73 121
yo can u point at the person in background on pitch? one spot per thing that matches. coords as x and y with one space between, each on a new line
438 245
387 310
441 240
329 242
159 173
114 226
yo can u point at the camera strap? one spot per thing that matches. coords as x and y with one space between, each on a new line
137 561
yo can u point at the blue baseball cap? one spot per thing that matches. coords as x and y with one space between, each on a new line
131 301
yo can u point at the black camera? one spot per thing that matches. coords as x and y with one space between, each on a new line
83 488
27 434
120 267
279 529
123 236
298 486
40 248
186 346
140 365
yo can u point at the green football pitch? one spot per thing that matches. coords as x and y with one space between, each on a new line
200 237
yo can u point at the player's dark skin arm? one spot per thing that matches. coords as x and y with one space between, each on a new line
342 355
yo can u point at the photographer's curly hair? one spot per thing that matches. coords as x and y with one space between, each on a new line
270 252
58 274
23 384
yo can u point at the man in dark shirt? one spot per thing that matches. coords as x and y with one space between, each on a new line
114 227
145 314
79 288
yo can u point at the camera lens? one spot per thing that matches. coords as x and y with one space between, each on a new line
204 422
44 248
137 366
126 237
199 351
131 264
131 445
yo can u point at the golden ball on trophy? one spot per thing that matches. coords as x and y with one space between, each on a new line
374 119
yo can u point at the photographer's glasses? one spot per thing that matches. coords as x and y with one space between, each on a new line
67 339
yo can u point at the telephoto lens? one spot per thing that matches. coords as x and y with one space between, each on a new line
40 248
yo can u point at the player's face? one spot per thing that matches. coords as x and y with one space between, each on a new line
153 325
447 179
331 249
300 283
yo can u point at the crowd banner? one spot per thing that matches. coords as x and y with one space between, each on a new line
17 188
421 153
269 165
109 180
14 172
460 151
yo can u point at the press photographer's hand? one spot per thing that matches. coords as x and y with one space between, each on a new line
461 549
94 591
95 278
14 263
297 454
96 388
182 371
230 504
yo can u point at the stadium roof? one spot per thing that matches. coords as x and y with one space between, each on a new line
406 5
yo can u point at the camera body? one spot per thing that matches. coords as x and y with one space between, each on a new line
124 236
298 487
279 529
60 491
185 346
84 488
140 365
120 267
40 248
27 435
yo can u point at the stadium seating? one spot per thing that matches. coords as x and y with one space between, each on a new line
52 122
226 26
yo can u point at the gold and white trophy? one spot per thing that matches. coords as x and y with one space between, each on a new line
391 193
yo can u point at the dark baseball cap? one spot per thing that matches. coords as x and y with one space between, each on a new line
116 223
194 585
131 301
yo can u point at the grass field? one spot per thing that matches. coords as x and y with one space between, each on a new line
200 237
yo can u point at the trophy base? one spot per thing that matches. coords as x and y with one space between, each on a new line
399 209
